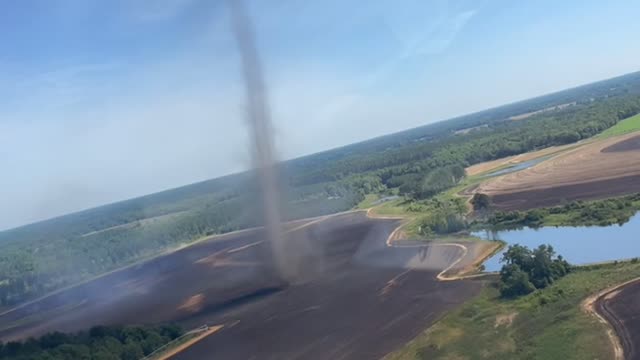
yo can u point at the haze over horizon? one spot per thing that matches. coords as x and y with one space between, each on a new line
105 101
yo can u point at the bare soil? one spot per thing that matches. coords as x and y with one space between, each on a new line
632 144
337 307
594 170
620 308
516 159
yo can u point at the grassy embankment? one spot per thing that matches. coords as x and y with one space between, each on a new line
623 127
414 211
183 342
399 208
547 324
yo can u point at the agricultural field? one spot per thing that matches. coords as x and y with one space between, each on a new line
598 169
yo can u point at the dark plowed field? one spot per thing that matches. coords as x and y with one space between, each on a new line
594 170
623 312
354 297
529 199
626 145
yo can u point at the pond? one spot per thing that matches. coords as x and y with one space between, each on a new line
517 167
578 245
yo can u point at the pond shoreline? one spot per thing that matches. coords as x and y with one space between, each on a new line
581 245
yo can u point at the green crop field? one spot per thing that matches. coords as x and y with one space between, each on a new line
623 127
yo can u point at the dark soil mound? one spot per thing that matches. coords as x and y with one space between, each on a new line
626 145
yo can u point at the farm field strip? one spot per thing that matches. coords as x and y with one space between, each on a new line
597 169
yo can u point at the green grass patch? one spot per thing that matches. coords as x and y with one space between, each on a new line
547 324
397 207
623 127
368 201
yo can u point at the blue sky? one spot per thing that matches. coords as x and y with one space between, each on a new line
106 100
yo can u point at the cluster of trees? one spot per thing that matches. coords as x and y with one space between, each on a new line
576 213
508 219
480 202
441 223
602 212
443 216
99 343
526 270
422 186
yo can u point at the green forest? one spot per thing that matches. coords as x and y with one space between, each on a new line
418 164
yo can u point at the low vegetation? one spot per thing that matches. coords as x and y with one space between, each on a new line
438 215
577 213
99 343
545 324
425 185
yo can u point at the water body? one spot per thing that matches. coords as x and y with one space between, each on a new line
578 245
518 167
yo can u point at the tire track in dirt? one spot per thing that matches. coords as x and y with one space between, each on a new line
617 308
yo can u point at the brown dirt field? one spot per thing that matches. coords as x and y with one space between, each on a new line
193 304
583 173
339 309
516 159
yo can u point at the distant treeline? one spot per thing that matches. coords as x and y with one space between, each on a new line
418 168
418 163
99 343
